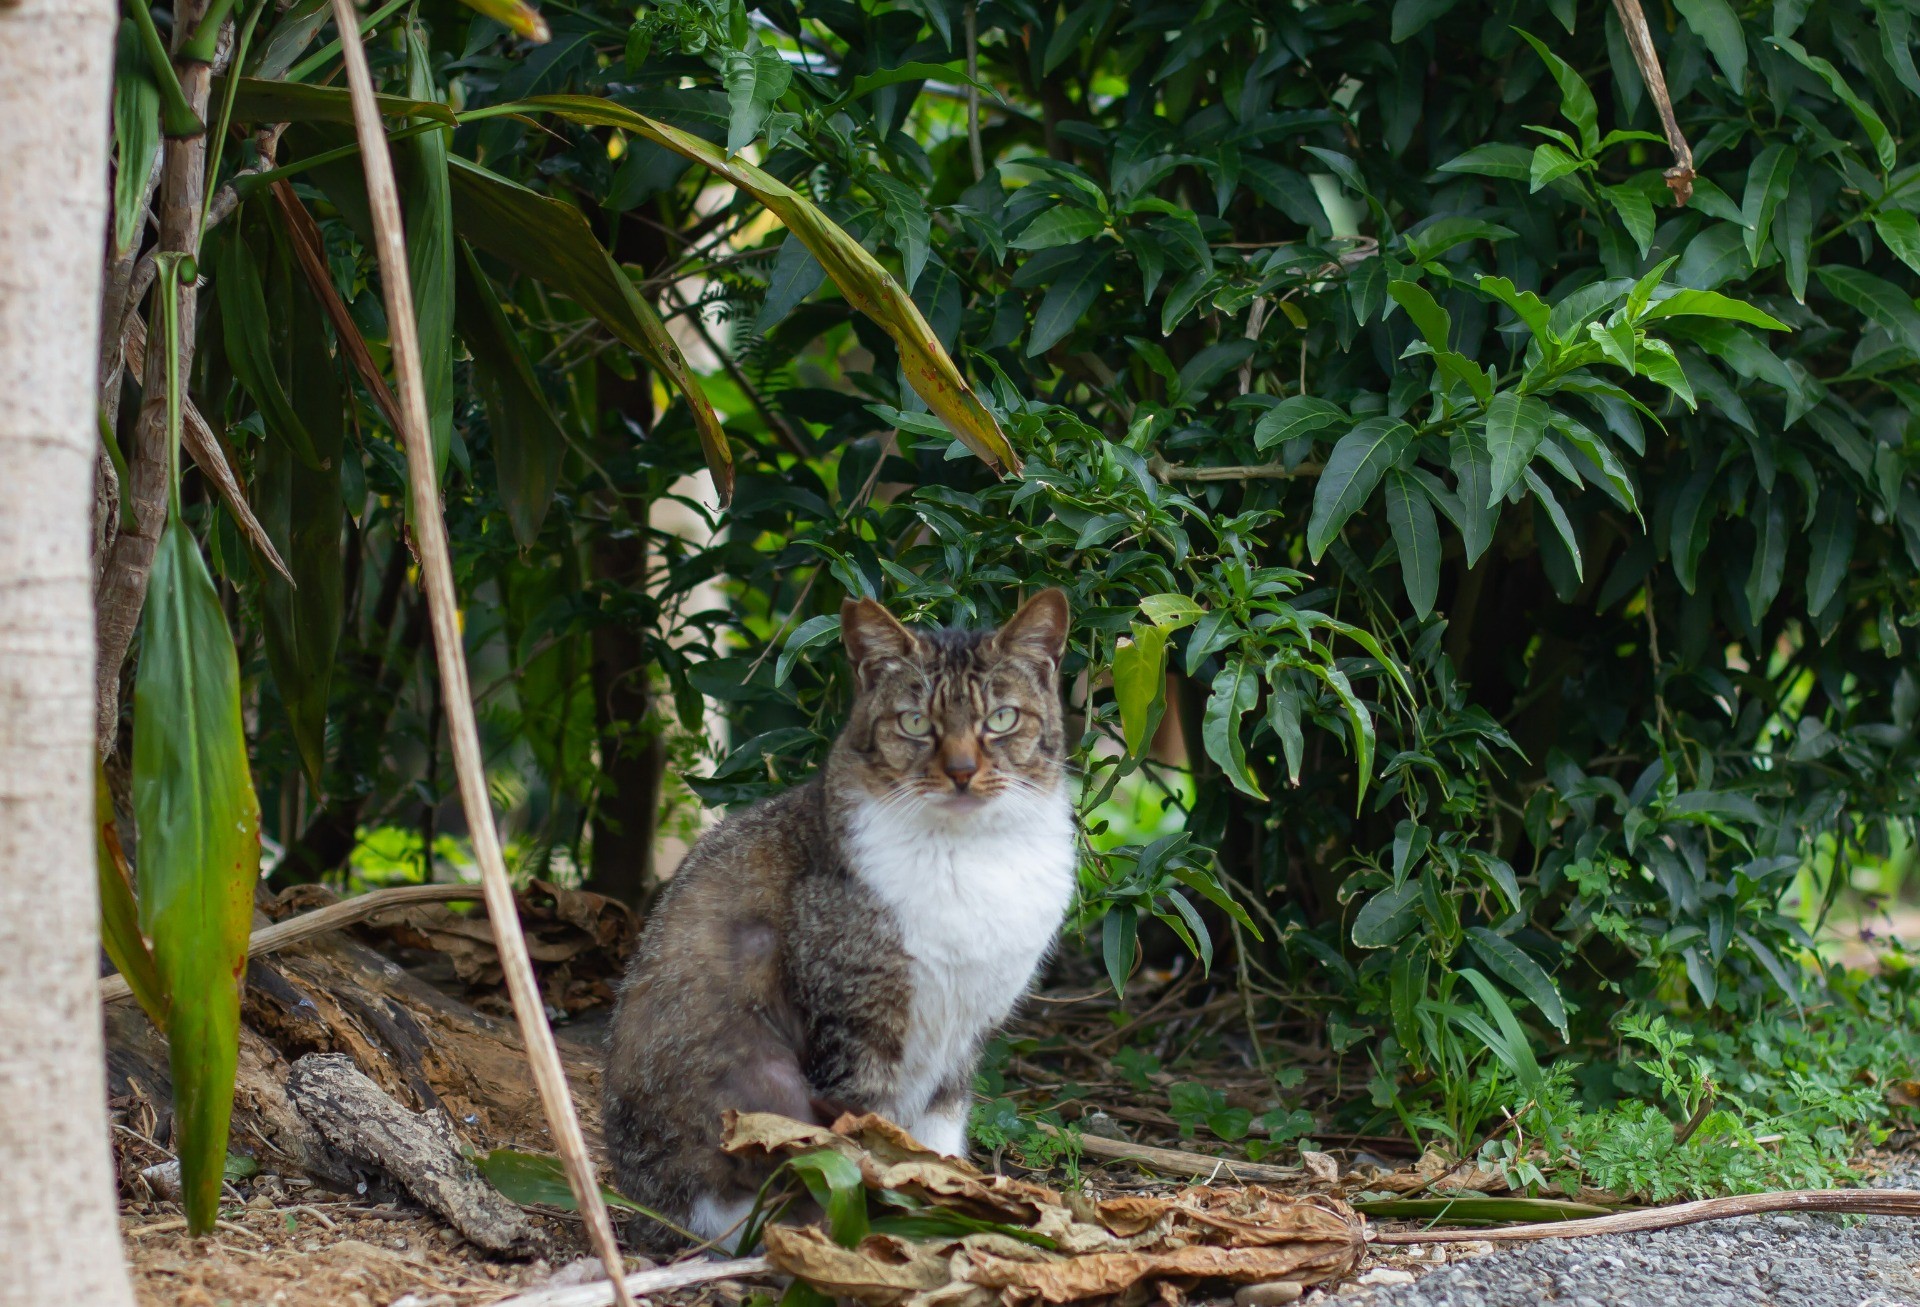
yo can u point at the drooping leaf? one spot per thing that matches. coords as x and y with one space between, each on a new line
247 336
259 101
136 136
1352 471
428 204
551 242
1515 426
865 283
1067 300
119 914
1507 961
1236 689
1384 919
302 512
1718 27
1139 685
528 443
1417 535
1296 415
199 826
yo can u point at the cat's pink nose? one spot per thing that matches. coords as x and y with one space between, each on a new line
960 770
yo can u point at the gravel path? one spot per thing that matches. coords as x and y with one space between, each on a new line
1757 1261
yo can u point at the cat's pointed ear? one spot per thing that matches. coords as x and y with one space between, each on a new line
872 635
1038 630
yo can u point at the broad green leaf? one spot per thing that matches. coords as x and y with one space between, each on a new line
867 83
833 1180
1635 211
1296 415
1067 300
1576 100
529 445
551 242
866 284
1139 685
1171 611
1384 919
248 340
1900 232
1417 534
199 825
1441 234
1514 427
813 631
1562 526
1511 162
1550 163
1406 985
428 204
1882 301
136 136
1411 17
1352 471
754 82
1507 961
1062 224
796 274
1768 180
1657 363
1769 553
1529 307
1615 479
1793 238
119 914
1473 470
1284 705
1718 28
1833 532
1884 147
1711 304
302 512
1429 319
1358 718
1119 934
1236 689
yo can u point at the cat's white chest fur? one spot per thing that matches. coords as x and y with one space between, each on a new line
979 898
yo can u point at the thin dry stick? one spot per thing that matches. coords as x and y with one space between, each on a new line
335 916
655 1281
430 534
1852 1202
973 92
1680 176
1174 1161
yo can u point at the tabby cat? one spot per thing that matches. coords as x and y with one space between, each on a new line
848 945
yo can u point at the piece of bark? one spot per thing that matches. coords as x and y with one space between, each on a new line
418 1149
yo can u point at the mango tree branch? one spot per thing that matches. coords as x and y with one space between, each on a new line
430 536
1640 40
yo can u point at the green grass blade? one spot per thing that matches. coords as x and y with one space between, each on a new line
1479 1211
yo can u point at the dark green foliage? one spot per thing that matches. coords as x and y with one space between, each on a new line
1528 562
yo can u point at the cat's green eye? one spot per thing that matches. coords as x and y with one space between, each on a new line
915 724
1001 720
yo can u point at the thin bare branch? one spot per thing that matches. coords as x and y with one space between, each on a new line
436 562
1851 1202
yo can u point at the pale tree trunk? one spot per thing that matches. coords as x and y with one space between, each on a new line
59 1233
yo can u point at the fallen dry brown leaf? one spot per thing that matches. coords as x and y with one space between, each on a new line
1129 1248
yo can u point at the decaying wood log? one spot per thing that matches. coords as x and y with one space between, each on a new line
419 1149
421 1047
